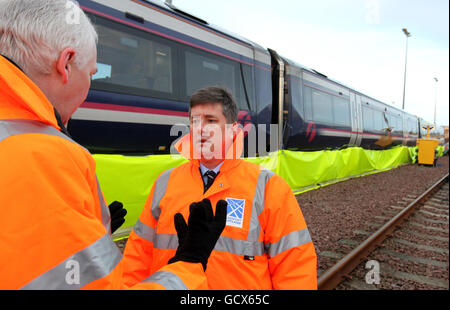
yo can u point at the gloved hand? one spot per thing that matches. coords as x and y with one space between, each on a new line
118 213
197 239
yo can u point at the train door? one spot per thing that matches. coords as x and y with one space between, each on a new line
355 108
354 120
359 120
404 129
279 116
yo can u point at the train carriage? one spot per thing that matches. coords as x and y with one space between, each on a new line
320 113
153 56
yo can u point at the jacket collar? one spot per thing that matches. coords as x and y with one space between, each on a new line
21 98
12 62
232 158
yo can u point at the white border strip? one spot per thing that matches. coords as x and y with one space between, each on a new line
128 117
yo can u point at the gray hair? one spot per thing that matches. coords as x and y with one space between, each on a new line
34 32
215 94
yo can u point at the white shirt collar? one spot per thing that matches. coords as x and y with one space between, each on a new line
203 169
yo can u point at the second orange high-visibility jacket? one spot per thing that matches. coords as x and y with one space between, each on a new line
54 223
265 245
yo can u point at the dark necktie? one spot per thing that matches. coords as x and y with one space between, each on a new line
210 176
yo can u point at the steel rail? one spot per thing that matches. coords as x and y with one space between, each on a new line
336 274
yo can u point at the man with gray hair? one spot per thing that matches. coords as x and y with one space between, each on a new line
56 227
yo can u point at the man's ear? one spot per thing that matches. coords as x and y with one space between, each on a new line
235 128
65 63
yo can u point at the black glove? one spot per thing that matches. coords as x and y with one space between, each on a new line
118 213
197 240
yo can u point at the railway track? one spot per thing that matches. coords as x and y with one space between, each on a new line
409 250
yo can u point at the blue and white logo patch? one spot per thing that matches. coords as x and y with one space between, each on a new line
235 212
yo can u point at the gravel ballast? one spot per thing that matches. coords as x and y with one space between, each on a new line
352 209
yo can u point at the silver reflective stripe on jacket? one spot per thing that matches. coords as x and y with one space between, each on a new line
287 242
160 190
160 241
169 280
106 216
144 231
147 232
258 204
13 127
90 264
239 247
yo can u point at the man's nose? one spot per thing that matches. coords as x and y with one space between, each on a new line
211 130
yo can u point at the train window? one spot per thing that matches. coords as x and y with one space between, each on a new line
391 122
296 99
412 127
326 108
400 124
246 96
341 111
394 123
378 120
368 123
386 123
204 69
322 107
132 61
307 102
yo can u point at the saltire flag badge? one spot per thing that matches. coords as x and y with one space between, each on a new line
235 212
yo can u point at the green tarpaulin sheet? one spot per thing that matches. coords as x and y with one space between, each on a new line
129 178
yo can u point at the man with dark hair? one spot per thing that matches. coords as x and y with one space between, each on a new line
266 243
217 94
213 120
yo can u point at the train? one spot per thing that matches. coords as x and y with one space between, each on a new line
152 56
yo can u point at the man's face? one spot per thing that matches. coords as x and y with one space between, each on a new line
210 134
77 88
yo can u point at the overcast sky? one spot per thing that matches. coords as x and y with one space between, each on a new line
357 42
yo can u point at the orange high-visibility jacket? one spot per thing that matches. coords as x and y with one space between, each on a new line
54 224
265 245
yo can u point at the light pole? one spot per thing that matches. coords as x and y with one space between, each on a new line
407 34
435 102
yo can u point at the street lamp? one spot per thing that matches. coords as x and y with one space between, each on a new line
435 102
407 34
